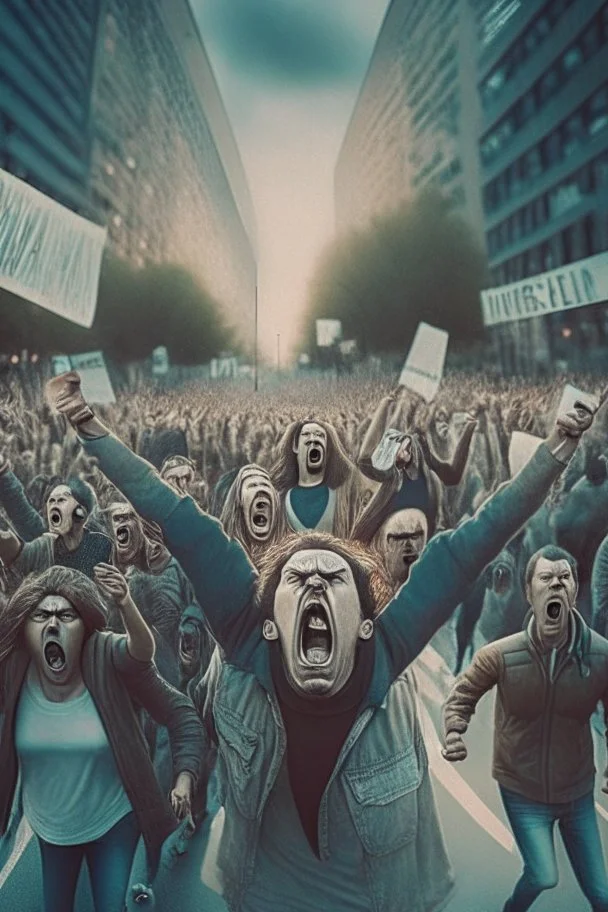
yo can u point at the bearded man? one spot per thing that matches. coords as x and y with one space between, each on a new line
321 488
68 543
322 766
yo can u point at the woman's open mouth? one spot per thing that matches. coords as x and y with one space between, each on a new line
315 456
316 640
54 656
123 536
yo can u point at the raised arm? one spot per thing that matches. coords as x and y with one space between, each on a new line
220 572
372 439
26 521
599 589
452 561
450 473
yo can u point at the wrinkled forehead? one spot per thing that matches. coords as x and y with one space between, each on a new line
60 491
54 603
406 522
317 561
255 477
121 511
552 568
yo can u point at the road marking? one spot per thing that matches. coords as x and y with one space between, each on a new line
460 790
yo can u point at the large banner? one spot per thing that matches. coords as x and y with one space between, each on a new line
576 285
48 255
423 368
96 383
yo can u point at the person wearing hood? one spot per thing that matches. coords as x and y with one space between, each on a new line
68 542
549 679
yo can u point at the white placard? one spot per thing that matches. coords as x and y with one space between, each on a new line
160 361
328 332
348 347
576 285
423 368
383 457
95 382
571 395
48 254
521 450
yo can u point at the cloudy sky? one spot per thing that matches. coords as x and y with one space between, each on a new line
289 72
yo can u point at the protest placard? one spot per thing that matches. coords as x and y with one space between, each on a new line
423 368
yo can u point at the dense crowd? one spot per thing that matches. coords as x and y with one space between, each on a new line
316 483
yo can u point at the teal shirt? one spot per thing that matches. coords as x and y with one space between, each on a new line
309 504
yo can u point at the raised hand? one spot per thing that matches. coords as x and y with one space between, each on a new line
455 748
64 394
112 583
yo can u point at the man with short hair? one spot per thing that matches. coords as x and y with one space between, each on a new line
549 678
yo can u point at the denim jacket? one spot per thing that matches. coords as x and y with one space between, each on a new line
386 736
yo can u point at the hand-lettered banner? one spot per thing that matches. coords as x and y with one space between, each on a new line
576 285
48 254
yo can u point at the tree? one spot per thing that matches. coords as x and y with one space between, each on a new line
136 311
418 262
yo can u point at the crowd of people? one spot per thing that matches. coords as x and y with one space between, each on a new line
214 579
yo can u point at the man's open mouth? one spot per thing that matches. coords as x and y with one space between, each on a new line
260 516
316 640
409 559
55 517
123 536
553 609
54 656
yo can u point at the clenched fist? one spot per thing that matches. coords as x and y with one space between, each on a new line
64 394
455 748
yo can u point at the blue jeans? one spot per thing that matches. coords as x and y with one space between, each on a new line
109 861
533 824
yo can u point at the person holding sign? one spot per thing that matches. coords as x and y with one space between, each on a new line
409 472
328 802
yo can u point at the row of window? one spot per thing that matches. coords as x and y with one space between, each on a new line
592 41
551 205
522 49
577 241
585 123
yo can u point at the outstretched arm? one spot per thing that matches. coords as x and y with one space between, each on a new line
480 677
220 572
26 521
599 589
453 560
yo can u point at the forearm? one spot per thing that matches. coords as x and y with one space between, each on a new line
27 523
140 640
480 677
10 548
376 429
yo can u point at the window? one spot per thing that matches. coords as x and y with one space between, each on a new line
572 133
548 85
591 235
546 257
598 111
572 59
591 40
567 239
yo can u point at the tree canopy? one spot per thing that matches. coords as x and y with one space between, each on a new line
418 262
136 311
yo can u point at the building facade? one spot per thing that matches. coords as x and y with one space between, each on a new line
111 108
416 120
543 85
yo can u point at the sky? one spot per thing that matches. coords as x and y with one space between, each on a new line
289 72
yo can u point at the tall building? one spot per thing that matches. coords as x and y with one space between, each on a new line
111 108
543 81
416 120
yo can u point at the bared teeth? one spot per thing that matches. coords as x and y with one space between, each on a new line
316 623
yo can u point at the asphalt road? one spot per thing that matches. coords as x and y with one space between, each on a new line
485 862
